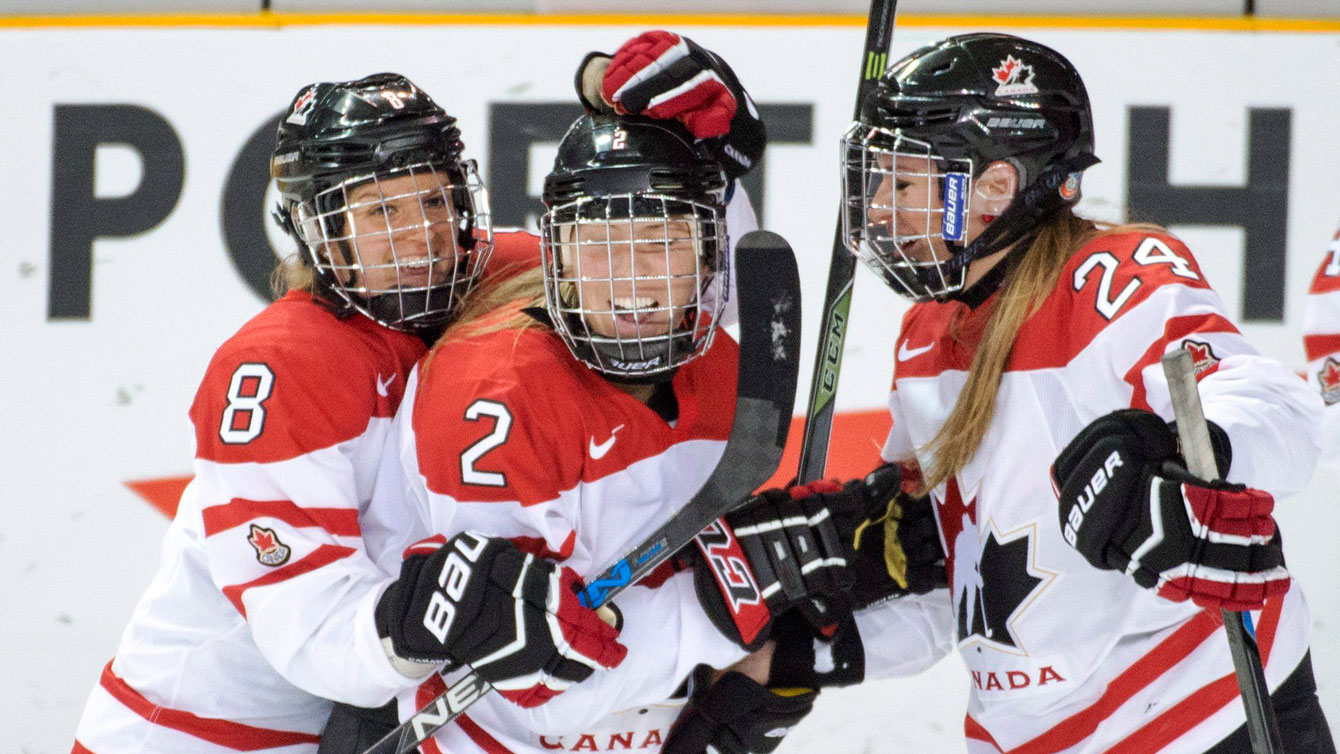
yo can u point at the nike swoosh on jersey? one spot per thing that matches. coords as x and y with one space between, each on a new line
598 451
905 353
382 384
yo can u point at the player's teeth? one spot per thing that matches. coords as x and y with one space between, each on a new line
628 302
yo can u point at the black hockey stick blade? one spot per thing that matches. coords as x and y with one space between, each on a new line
768 287
1194 437
841 272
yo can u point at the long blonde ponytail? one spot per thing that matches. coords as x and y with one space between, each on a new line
1022 292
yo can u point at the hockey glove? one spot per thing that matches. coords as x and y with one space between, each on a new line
735 715
662 75
1127 503
781 549
513 617
898 549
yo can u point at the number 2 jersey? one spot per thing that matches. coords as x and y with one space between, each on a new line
261 610
1063 657
1321 341
506 434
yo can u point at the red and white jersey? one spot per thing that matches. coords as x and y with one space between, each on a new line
1321 341
1064 657
508 435
261 610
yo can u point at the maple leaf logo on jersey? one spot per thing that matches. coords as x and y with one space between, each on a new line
1329 376
1013 77
269 550
1202 356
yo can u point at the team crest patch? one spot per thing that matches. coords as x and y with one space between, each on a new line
1202 356
1013 77
1069 190
302 107
269 550
1329 376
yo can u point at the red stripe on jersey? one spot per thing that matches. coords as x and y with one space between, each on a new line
481 737
79 748
539 548
1139 675
233 735
342 522
1318 346
1323 282
321 556
1173 329
429 690
1206 701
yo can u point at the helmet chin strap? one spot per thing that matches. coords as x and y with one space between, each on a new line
1039 201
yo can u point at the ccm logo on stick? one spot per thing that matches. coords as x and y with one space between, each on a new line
1084 501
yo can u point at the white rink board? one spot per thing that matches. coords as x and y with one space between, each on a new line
90 404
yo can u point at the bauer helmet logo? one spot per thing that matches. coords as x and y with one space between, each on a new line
302 107
269 550
1013 77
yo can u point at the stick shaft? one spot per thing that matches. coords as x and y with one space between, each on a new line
841 272
1194 437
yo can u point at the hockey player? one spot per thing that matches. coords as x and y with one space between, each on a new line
573 411
1086 565
266 604
1321 341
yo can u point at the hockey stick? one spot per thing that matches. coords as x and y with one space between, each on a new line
768 287
1194 437
841 270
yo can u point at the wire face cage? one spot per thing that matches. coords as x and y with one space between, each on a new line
402 246
905 210
625 276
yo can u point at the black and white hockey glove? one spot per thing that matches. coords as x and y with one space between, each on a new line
898 549
780 549
662 75
735 715
513 617
1127 503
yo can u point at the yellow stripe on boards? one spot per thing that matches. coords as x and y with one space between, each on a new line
266 20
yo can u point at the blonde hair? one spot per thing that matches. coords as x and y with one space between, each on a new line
499 303
293 273
1021 294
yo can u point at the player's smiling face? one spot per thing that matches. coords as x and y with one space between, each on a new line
635 278
403 232
907 205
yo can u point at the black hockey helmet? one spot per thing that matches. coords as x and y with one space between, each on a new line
958 106
385 132
615 177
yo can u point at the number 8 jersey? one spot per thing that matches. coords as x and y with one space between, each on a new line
261 610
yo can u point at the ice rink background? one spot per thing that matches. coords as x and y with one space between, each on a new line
90 404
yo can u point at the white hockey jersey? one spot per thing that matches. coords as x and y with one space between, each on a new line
1063 657
508 435
1321 341
261 610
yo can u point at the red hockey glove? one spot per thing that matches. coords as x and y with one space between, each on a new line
1127 503
781 549
661 75
513 617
